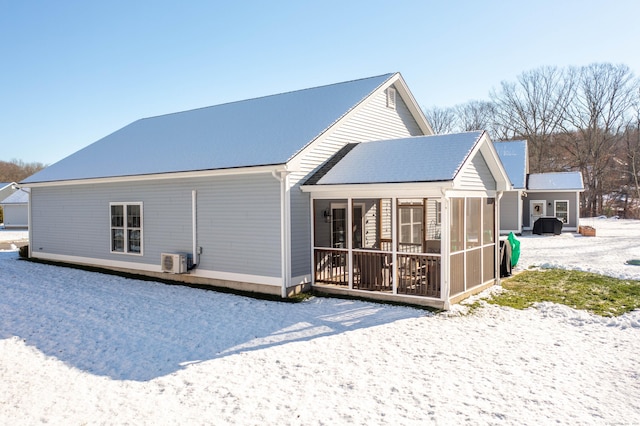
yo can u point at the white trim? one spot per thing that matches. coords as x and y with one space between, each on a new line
145 267
380 190
162 176
555 210
125 228
531 215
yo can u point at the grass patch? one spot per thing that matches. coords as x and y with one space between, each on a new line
598 294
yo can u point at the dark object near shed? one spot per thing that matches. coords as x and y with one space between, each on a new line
547 225
505 259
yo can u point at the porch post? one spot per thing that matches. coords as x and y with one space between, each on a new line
394 244
496 240
350 240
445 250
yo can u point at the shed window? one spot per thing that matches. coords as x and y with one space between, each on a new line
126 227
562 210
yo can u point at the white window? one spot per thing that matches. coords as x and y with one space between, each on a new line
561 208
391 97
126 227
410 228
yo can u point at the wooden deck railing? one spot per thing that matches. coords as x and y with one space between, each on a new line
372 270
418 274
331 266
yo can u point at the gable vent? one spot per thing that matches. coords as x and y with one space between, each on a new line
391 97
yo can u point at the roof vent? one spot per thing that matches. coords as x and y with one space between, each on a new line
391 97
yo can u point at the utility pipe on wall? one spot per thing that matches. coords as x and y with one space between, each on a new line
194 227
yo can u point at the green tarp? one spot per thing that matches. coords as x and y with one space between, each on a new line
515 249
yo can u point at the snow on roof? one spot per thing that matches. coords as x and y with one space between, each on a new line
21 196
513 155
255 132
416 159
556 181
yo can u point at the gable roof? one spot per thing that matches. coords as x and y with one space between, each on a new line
21 196
415 159
257 132
513 155
561 181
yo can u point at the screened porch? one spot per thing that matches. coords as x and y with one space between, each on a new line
369 252
405 246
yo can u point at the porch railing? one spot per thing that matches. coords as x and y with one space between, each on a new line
372 270
331 266
418 274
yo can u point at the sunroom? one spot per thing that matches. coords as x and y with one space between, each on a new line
418 224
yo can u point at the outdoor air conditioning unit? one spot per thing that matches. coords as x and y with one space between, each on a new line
174 263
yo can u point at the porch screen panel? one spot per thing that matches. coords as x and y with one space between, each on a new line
473 216
457 224
474 268
385 224
457 273
488 220
488 263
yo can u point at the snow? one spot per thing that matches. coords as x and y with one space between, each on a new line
415 159
513 155
21 196
261 131
555 181
84 348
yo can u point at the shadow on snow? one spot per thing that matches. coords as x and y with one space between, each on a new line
139 330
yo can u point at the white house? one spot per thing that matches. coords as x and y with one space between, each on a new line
536 195
237 195
16 209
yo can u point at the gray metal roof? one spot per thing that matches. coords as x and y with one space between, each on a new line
21 196
416 159
570 181
513 155
256 132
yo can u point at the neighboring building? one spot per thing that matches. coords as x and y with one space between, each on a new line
6 189
16 209
243 191
538 194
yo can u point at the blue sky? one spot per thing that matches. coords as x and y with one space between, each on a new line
74 71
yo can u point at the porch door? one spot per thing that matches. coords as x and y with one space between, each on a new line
537 209
338 227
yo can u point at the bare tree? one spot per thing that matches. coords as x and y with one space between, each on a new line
599 112
442 120
533 108
475 115
17 170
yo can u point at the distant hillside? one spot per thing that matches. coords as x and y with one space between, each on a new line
17 170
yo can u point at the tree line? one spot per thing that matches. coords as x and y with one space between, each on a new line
583 119
17 170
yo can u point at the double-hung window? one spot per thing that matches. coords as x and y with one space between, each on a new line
126 227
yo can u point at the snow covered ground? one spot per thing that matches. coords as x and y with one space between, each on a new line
83 348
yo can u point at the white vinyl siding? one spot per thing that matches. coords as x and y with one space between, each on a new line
374 121
509 211
238 221
477 176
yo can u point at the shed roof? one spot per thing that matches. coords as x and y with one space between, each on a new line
415 159
513 155
570 181
256 132
21 196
